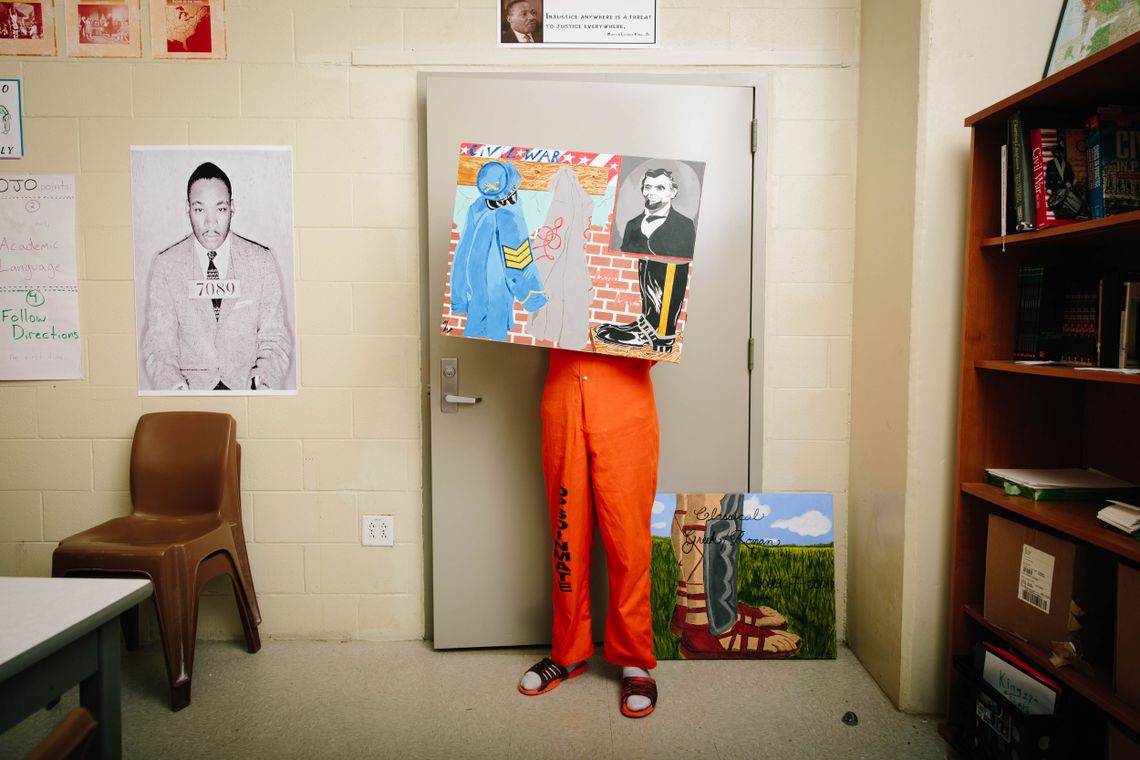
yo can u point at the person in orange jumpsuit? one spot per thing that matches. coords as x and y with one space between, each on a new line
599 450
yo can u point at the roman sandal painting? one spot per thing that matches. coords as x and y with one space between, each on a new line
571 249
743 576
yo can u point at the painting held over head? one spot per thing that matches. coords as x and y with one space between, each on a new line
743 576
572 249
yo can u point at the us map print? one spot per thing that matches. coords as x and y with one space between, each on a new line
188 28
572 249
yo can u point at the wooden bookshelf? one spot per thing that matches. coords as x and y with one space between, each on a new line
1075 519
1055 370
1018 415
1108 230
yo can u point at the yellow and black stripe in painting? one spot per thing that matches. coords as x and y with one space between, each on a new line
666 296
517 258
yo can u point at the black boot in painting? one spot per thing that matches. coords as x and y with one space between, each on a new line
662 285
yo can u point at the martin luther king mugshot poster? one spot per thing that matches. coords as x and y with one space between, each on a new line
214 288
572 249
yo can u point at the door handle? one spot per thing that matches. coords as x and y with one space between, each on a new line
450 398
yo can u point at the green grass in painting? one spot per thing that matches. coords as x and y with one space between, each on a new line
798 581
662 596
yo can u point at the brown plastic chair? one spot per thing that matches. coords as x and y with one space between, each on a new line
70 740
184 529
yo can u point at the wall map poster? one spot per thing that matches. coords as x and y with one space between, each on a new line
743 576
572 249
39 293
1086 27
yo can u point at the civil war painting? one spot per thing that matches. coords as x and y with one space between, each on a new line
572 249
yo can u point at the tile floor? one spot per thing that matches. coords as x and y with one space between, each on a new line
303 699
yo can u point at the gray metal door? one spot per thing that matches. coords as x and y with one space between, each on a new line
490 543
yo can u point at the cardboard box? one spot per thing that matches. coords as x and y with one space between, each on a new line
1033 577
1126 668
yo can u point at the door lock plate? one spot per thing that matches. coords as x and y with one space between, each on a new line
449 398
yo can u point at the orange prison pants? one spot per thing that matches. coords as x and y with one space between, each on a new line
599 455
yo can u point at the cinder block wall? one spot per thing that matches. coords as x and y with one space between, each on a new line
351 442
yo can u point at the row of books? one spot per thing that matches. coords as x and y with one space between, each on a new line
1074 318
1065 169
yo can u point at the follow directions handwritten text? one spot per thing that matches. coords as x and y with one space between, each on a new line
28 325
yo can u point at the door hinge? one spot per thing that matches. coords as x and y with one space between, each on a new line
755 133
751 353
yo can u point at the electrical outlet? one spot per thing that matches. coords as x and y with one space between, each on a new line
378 530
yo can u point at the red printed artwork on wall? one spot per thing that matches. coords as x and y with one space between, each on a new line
27 28
572 249
104 28
188 28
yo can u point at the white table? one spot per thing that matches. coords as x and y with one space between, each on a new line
59 632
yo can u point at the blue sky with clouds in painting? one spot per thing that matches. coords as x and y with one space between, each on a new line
782 519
